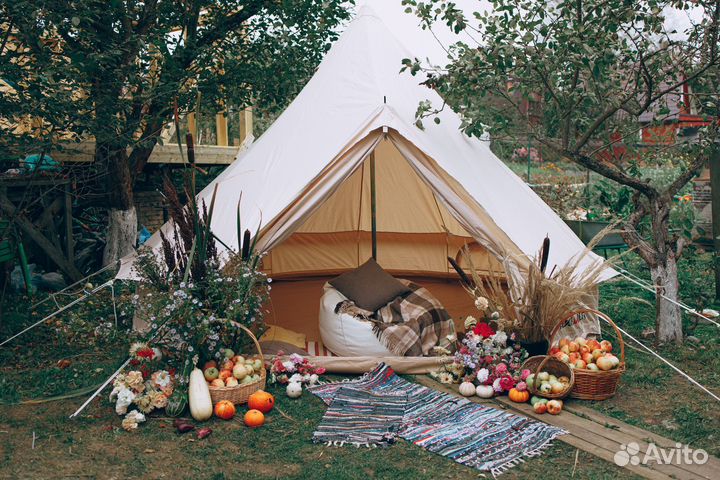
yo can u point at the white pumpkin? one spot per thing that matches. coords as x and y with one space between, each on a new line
467 389
294 389
485 391
201 407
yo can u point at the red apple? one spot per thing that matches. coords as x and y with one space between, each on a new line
225 374
563 357
604 362
210 364
580 364
553 351
587 357
565 349
597 353
573 346
227 365
217 383
540 408
606 346
554 407
231 382
564 341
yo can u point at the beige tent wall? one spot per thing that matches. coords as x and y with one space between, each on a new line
416 233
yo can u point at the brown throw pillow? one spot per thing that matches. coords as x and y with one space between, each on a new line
369 286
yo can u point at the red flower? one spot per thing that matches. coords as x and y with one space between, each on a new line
506 383
484 330
320 370
147 353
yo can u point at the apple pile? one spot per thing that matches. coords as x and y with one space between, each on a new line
545 382
543 405
233 370
588 354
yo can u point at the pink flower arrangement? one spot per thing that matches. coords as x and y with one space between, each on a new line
295 367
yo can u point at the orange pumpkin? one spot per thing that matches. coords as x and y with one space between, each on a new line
262 401
254 418
518 396
225 409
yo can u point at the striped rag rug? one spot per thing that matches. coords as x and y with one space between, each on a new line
485 438
361 418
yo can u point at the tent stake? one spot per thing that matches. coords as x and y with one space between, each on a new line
373 206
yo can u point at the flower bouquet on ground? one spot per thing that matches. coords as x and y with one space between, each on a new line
191 297
487 355
294 369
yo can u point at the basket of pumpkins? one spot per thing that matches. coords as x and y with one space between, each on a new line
596 368
235 377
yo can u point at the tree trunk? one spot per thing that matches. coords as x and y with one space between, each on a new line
121 234
660 254
668 318
122 218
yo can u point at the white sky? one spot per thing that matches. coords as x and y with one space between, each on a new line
405 26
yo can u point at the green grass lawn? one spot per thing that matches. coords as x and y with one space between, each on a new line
94 446
650 396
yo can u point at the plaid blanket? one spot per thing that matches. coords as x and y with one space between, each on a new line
411 325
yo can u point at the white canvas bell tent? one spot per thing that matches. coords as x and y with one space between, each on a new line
308 179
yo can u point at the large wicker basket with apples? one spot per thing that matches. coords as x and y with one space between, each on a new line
596 368
238 376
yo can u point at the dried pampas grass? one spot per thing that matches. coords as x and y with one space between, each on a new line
532 301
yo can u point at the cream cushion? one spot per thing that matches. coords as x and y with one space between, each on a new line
343 334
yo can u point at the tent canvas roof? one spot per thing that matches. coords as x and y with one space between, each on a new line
356 101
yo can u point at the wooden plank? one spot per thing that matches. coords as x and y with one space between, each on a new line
601 436
708 470
221 129
162 154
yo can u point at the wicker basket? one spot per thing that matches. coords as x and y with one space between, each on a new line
553 366
240 393
590 384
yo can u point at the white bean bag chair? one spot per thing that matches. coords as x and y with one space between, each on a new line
343 334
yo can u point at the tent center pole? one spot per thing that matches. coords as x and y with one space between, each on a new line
373 206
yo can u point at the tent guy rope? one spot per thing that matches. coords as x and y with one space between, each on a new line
646 286
108 284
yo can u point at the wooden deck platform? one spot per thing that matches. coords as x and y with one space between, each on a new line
163 154
602 436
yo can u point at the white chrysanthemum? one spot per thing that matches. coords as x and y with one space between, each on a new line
482 375
481 303
500 337
496 385
124 398
470 322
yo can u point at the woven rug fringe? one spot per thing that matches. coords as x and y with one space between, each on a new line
500 469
